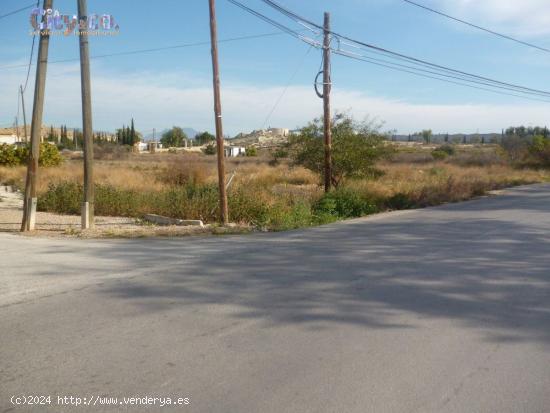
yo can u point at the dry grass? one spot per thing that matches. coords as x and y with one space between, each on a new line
183 186
438 182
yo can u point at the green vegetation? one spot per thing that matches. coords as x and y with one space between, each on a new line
127 135
11 155
251 151
356 147
527 146
280 190
174 138
204 138
210 149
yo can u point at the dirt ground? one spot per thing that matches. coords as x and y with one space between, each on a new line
48 224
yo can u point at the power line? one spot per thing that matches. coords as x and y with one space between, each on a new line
444 74
30 58
366 60
403 56
11 13
292 76
504 36
441 70
157 49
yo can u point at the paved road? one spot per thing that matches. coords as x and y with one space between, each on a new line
438 310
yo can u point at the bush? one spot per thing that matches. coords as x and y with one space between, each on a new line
345 203
448 149
277 155
540 150
11 155
210 150
439 155
356 147
251 151
49 155
399 201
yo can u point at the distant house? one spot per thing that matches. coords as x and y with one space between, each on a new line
9 139
234 151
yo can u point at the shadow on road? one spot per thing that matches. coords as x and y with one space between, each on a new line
457 262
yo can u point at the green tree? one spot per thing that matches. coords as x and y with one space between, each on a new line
356 147
540 150
133 135
204 138
52 135
426 135
174 138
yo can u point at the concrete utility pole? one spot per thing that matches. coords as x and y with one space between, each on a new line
327 85
29 203
24 114
218 113
16 126
88 204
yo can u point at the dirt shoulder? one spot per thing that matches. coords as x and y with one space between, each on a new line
55 225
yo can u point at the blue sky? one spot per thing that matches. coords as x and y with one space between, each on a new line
164 88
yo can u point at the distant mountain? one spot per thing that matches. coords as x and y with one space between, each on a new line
190 132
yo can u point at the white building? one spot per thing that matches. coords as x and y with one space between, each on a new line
9 139
234 151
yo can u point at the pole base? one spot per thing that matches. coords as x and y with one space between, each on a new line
31 214
87 220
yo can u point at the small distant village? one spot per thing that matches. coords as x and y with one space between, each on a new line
234 147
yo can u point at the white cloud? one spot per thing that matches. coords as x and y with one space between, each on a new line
530 18
161 100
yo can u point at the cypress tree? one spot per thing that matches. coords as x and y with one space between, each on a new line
132 134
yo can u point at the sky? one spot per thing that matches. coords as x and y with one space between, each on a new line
174 87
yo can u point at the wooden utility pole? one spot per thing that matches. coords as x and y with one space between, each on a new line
24 114
29 203
327 85
218 113
87 130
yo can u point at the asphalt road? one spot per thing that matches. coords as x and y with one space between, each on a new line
438 310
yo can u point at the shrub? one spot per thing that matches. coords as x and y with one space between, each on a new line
49 155
11 155
277 155
399 201
356 147
540 150
251 151
439 155
64 198
345 203
448 149
210 150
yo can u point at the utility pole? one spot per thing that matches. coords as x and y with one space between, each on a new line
327 85
87 130
16 124
218 113
24 114
29 203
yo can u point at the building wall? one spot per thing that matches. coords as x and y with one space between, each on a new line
9 139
